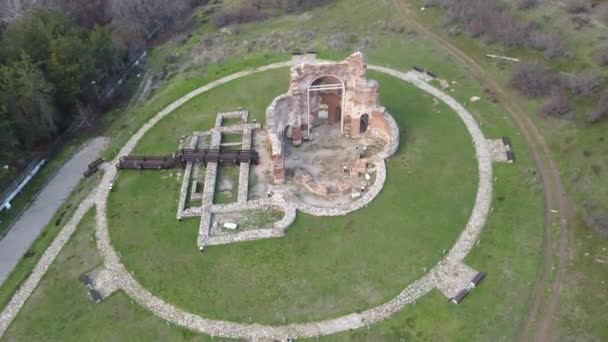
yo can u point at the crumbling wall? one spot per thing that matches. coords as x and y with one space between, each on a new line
360 97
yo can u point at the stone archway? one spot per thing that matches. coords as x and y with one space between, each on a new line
325 96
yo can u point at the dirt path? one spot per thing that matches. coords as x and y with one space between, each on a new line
543 309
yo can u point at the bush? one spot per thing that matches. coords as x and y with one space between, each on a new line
604 15
533 80
525 4
557 105
584 83
602 56
576 6
596 217
542 41
257 10
431 3
600 110
291 5
493 21
580 21
244 14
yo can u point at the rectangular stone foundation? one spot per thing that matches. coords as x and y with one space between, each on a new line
244 169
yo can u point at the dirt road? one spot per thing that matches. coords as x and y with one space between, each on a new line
543 308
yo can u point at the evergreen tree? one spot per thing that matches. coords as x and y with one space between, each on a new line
107 57
29 104
71 68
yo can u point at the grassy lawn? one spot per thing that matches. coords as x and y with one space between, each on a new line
581 155
232 138
226 174
60 309
324 267
231 121
63 215
175 88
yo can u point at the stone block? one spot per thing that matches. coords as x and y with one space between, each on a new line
230 225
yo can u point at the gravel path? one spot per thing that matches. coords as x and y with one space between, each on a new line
124 279
27 228
432 279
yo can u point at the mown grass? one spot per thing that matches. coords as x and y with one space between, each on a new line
324 267
60 308
173 89
226 174
509 248
48 234
509 251
581 154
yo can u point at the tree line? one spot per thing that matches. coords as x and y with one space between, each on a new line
258 10
54 55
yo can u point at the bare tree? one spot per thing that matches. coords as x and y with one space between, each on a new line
584 83
244 14
10 9
557 105
596 216
525 4
600 110
602 56
533 80
134 20
576 6
543 41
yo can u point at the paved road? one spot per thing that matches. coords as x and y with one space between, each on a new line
27 228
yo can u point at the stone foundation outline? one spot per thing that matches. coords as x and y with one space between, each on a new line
125 281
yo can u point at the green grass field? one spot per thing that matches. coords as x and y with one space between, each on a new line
68 312
581 155
31 257
324 267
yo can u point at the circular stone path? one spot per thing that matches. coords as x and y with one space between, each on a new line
125 281
352 321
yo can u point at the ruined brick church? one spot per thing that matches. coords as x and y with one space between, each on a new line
334 93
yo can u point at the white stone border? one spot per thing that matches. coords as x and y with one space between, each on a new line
256 331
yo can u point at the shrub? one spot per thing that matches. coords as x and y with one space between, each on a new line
554 49
533 80
431 3
557 105
576 6
584 83
600 110
580 21
604 15
542 41
525 4
596 217
602 56
494 22
245 14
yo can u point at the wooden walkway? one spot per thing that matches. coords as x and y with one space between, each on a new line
183 156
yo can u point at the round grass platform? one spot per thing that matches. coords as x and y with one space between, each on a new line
324 267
